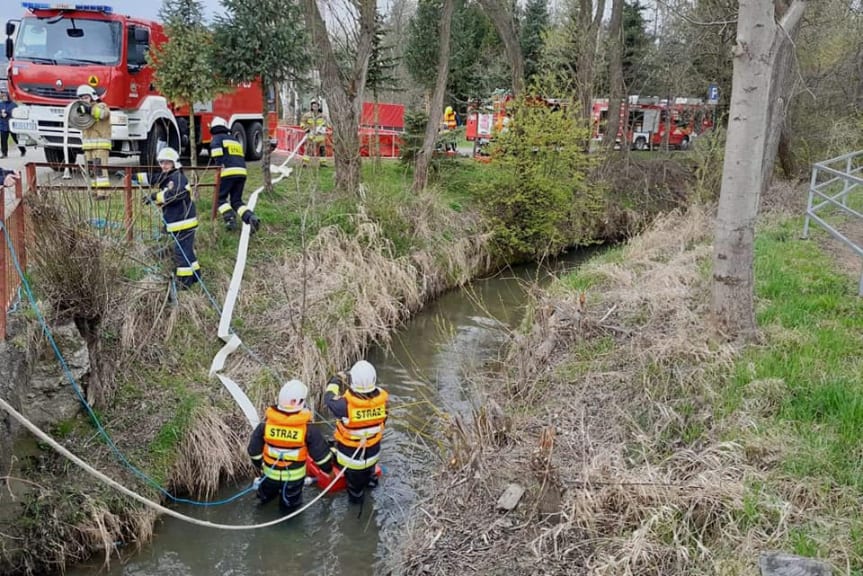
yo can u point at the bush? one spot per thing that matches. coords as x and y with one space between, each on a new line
537 199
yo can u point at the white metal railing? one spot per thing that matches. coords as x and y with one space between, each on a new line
833 182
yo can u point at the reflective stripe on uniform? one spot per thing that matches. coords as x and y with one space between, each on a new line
234 171
160 197
101 182
356 464
188 270
289 454
288 475
216 153
96 144
243 209
182 225
359 434
142 178
334 388
224 208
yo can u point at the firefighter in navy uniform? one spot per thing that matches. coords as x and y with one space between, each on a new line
178 211
361 413
280 445
229 153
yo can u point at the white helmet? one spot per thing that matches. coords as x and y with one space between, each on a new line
169 154
218 121
292 396
85 90
363 377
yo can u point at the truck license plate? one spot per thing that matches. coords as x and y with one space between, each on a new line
22 125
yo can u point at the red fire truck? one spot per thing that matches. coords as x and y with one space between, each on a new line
644 122
61 46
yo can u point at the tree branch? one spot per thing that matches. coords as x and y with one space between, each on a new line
792 17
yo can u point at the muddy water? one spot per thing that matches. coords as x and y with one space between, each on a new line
424 373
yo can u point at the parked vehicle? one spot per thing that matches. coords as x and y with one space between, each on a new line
650 123
59 47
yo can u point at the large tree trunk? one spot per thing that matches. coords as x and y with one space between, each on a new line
758 101
587 45
615 76
343 97
265 159
504 22
424 154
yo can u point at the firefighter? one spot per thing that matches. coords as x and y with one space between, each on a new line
280 445
449 118
447 126
95 136
229 153
6 107
178 211
361 414
315 125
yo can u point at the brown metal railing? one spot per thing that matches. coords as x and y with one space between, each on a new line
13 219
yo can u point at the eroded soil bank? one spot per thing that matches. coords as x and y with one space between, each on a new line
646 444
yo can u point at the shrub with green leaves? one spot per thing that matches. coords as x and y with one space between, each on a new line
537 198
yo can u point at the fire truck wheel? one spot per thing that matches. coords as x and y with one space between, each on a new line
54 156
239 133
256 141
158 133
684 144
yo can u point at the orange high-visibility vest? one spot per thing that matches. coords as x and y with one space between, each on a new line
366 417
285 437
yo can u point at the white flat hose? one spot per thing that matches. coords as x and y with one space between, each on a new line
231 340
66 174
146 501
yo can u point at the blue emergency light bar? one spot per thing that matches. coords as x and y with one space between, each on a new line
79 7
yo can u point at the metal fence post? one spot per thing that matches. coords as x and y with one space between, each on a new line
217 183
812 182
3 265
20 226
128 214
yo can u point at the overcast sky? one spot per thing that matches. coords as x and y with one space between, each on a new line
142 9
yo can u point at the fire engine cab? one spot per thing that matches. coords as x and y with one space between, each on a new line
58 47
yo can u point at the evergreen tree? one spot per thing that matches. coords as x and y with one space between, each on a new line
261 40
183 64
637 46
533 26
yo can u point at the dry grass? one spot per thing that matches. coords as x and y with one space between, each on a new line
213 450
626 469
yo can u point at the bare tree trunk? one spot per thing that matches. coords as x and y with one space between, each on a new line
504 22
424 154
757 101
265 159
786 153
587 46
344 98
615 74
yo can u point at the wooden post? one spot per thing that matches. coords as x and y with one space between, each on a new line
128 216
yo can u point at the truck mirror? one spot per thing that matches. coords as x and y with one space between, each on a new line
142 36
10 27
9 47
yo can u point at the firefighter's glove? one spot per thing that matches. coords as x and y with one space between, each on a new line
83 108
148 199
257 482
343 379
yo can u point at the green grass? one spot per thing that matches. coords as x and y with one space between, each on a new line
813 321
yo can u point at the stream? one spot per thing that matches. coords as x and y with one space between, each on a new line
423 371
